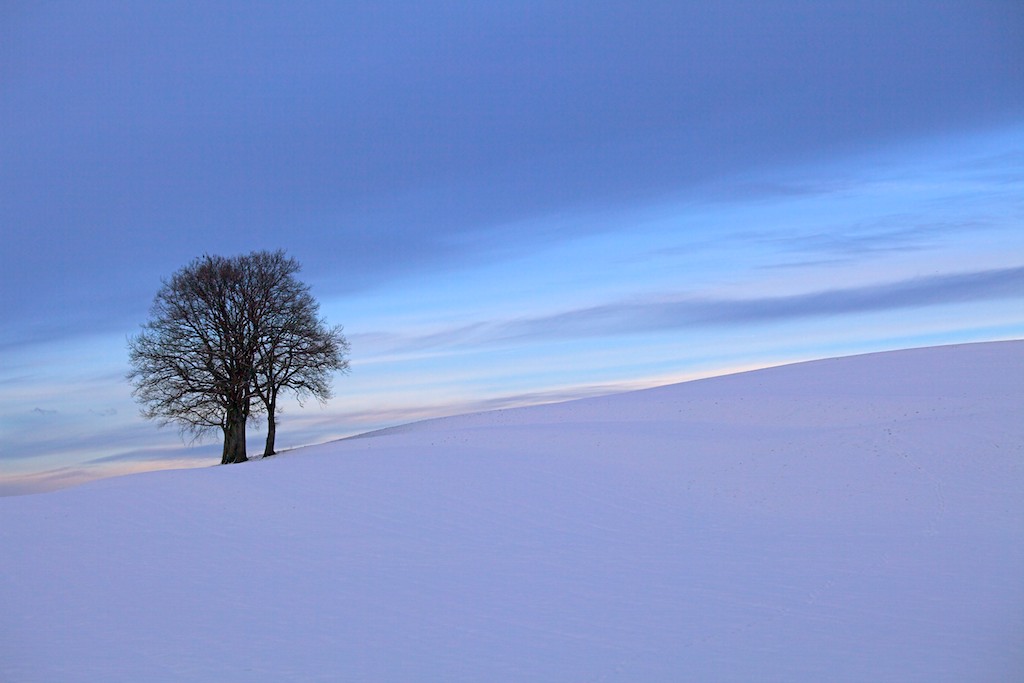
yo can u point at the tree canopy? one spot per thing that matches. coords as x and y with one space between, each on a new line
227 337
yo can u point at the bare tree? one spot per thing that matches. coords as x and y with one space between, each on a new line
226 336
296 351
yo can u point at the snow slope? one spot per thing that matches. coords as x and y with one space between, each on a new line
855 519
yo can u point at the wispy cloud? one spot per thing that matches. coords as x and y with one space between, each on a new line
104 412
1002 168
199 454
887 234
631 317
641 317
64 477
367 422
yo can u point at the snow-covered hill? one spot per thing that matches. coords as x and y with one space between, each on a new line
855 519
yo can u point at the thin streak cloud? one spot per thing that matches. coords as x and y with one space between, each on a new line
626 318
641 317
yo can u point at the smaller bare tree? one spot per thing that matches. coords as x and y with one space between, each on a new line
296 351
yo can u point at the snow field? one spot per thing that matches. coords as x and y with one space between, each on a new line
851 519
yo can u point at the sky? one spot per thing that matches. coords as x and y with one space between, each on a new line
503 203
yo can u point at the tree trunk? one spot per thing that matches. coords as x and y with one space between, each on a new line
271 433
271 424
271 405
234 438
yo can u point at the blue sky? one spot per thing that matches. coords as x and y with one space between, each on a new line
503 203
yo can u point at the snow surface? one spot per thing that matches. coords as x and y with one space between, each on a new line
855 519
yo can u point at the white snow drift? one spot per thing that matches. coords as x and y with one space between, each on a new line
857 519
